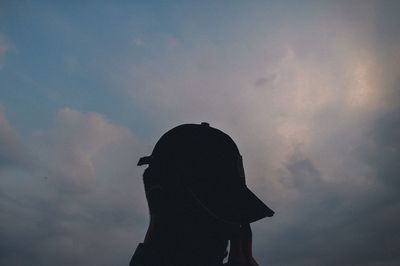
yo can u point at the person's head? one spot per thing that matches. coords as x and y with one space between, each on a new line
180 225
195 187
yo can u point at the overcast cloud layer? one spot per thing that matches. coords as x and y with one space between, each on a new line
309 92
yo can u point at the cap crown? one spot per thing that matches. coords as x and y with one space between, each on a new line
199 154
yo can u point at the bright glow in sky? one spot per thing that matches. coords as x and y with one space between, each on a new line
309 90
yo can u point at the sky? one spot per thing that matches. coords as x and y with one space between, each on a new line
309 91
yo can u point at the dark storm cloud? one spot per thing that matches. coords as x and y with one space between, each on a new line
265 81
301 172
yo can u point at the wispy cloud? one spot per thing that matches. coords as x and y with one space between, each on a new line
5 47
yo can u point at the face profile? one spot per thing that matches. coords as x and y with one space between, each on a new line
198 201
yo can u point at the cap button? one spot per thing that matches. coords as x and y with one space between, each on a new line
205 124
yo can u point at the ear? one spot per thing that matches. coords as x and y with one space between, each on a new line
153 190
155 199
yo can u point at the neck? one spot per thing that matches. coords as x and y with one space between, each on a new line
180 243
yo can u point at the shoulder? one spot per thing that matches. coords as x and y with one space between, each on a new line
145 256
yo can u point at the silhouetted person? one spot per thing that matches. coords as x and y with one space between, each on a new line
198 201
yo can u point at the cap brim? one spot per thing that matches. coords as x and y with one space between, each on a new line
232 205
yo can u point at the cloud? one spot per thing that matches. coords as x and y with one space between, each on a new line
69 148
94 215
302 118
383 150
82 204
332 222
309 94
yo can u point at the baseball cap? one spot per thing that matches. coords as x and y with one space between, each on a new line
208 164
